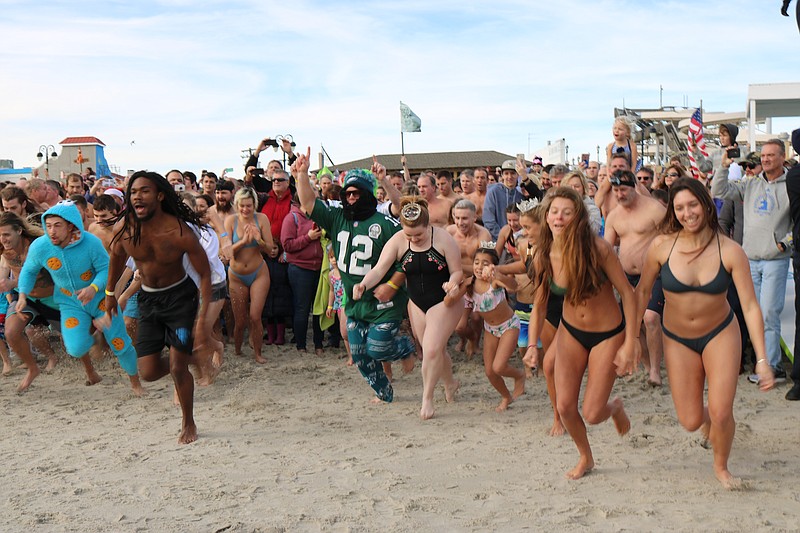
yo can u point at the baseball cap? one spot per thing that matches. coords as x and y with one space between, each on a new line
509 164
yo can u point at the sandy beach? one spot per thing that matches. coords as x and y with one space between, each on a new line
295 446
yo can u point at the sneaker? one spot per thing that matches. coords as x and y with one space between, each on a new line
794 392
779 373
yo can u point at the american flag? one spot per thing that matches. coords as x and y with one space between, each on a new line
696 140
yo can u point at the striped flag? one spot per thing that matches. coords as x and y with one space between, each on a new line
696 140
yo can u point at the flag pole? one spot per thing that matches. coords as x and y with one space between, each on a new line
402 144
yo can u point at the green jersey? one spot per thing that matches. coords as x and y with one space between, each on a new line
357 245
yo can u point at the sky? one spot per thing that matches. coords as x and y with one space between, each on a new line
190 84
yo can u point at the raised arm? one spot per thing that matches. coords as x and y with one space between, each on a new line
391 191
305 193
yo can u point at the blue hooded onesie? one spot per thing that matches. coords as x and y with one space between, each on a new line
83 262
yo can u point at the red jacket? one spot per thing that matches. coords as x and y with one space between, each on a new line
276 210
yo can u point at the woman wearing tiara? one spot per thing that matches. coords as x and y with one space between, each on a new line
431 260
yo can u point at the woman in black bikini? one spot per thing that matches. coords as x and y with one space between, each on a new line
701 339
571 260
431 259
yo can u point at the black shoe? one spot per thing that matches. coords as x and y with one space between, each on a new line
794 393
780 375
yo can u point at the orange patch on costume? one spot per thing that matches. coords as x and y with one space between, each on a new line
53 263
117 343
66 291
86 276
71 322
102 305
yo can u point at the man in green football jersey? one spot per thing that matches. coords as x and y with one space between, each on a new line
358 233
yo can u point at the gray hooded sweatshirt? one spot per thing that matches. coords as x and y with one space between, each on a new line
766 212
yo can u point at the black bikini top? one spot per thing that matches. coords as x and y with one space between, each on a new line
718 285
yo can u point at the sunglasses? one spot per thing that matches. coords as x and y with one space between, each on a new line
353 193
280 180
673 175
749 166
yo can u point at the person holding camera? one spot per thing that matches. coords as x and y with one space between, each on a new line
258 178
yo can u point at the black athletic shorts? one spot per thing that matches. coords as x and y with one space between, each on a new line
167 318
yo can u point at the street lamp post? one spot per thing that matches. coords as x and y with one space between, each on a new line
47 151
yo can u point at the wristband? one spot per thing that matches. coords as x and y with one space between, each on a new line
95 287
109 293
761 361
392 285
223 234
330 307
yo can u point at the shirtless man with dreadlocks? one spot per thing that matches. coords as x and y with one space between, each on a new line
153 231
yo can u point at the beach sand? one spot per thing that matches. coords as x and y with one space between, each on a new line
294 445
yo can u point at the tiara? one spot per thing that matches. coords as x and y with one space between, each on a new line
487 245
411 211
526 205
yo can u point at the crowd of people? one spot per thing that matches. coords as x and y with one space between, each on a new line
598 268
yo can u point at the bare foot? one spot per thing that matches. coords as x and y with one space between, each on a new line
376 401
519 387
28 379
136 387
8 368
52 361
583 467
350 361
470 349
728 481
621 420
188 434
503 405
427 410
460 344
408 364
259 359
210 373
93 378
216 359
557 430
451 390
654 380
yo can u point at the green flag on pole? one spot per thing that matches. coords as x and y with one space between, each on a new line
409 122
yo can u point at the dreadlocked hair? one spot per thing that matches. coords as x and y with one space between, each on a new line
581 260
171 204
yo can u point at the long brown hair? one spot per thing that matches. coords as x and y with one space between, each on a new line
670 222
581 260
